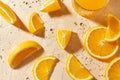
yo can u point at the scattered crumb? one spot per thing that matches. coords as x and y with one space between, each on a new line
23 1
86 58
2 49
1 57
27 78
85 64
75 23
14 4
81 24
32 1
29 6
26 3
51 29
102 75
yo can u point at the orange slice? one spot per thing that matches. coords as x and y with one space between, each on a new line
76 70
91 4
113 70
43 67
35 24
7 13
113 29
96 45
50 5
21 52
63 37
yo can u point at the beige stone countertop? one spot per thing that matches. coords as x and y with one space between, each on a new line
66 18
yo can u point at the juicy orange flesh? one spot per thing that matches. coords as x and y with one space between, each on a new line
114 71
45 69
78 70
64 37
37 21
22 55
91 4
97 44
113 28
5 11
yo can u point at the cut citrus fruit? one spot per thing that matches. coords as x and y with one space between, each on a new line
95 44
22 51
51 5
113 29
44 67
7 13
63 37
82 11
35 23
76 70
89 4
113 70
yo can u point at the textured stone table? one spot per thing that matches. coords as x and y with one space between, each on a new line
66 18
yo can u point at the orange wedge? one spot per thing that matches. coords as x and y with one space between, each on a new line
7 13
95 44
76 70
21 52
50 5
63 37
113 70
44 67
113 29
35 24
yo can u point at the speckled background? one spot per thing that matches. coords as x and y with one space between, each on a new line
66 18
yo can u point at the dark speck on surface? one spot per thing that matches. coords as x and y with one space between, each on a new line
14 4
27 78
32 1
1 57
86 64
51 29
29 6
26 3
81 24
2 49
23 1
75 23
86 58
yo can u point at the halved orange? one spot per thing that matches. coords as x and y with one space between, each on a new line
96 45
113 29
76 70
7 13
113 70
35 24
89 4
63 37
44 67
50 5
22 51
